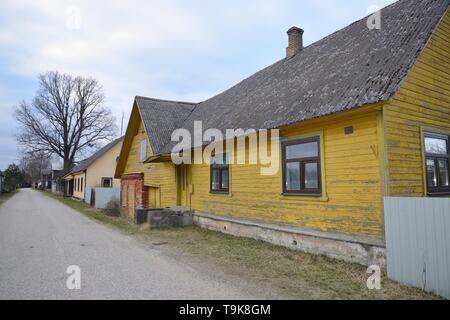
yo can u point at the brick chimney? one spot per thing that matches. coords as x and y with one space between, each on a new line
295 42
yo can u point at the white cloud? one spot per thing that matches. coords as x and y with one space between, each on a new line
177 49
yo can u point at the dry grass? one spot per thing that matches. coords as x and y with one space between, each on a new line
5 196
298 274
295 274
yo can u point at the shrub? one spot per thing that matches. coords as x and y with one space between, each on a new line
113 207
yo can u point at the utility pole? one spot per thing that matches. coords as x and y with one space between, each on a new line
121 126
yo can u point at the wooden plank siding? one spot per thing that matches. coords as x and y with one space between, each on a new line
352 203
421 104
159 175
78 185
383 156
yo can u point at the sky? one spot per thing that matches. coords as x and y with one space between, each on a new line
168 49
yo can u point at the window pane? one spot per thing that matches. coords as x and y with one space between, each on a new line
215 180
436 146
293 176
221 159
143 153
225 179
443 173
311 176
304 150
107 183
431 174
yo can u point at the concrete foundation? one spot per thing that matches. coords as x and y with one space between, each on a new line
362 250
164 218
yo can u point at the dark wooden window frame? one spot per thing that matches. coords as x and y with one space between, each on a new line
107 178
302 162
439 190
219 168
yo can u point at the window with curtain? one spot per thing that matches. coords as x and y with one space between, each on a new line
301 167
220 174
107 182
437 157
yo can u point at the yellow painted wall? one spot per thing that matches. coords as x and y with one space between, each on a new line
352 203
104 167
78 192
158 175
382 156
422 103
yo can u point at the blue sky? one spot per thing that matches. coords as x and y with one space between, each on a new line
186 50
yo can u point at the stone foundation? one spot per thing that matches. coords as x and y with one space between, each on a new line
362 250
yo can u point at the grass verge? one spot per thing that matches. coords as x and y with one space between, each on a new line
5 196
95 214
296 274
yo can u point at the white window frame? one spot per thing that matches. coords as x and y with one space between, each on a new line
110 182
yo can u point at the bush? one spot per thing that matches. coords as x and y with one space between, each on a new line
113 208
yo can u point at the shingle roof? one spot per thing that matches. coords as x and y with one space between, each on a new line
87 162
58 174
347 69
161 118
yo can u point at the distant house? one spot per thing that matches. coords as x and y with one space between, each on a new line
2 181
46 179
95 172
362 114
58 181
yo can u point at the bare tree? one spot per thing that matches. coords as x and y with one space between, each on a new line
32 165
65 118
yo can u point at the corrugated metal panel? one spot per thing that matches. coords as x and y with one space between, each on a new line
104 195
418 242
88 194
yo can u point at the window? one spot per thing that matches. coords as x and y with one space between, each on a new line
107 182
301 167
81 185
437 157
143 153
220 174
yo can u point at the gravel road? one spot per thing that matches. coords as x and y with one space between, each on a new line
40 238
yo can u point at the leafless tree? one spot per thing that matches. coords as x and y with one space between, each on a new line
32 165
65 118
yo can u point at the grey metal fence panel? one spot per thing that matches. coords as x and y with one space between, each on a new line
87 195
418 242
104 195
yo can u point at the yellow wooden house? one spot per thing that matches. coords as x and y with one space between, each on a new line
96 171
363 113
